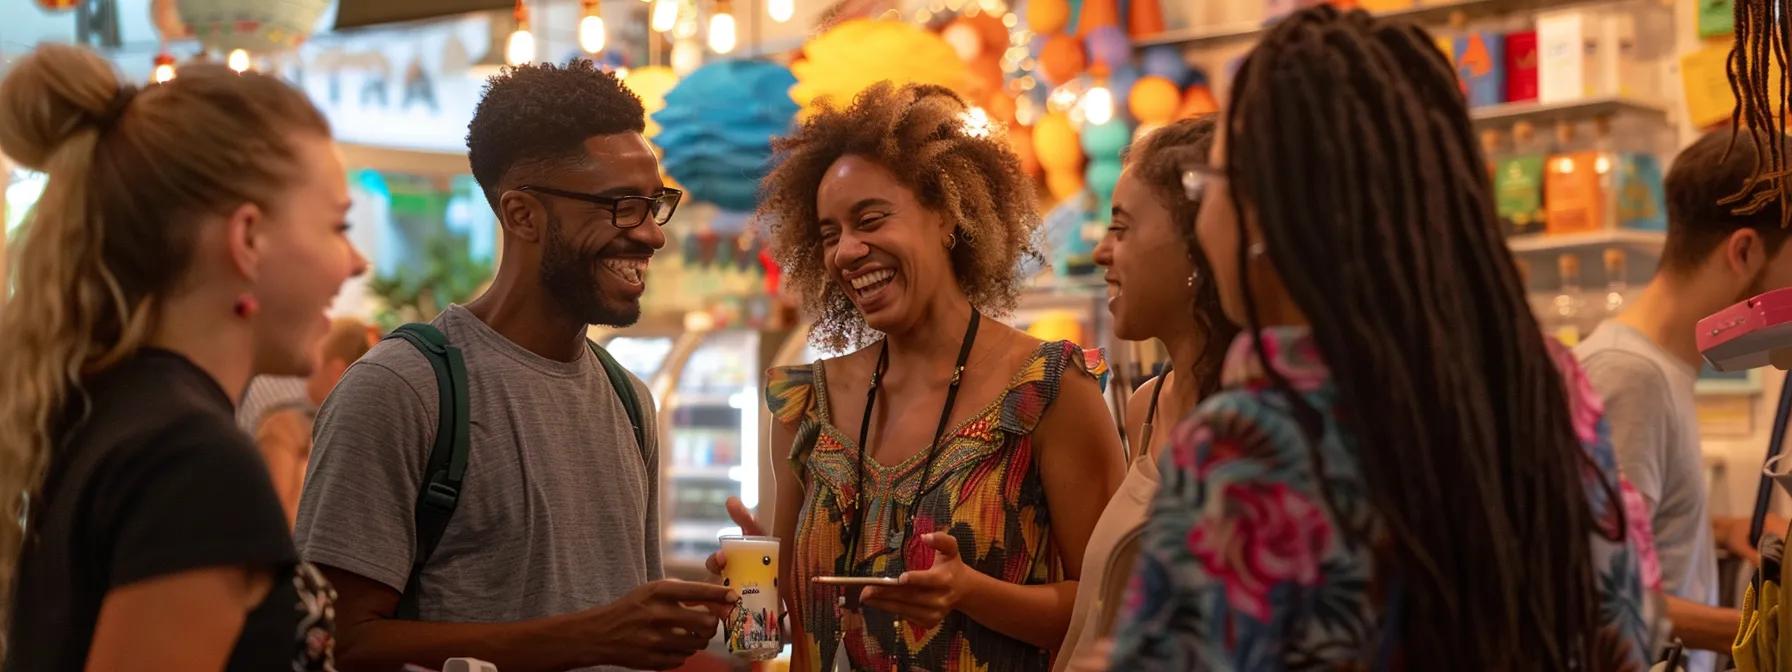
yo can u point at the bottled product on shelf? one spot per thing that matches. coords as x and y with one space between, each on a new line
1617 283
1575 185
1518 181
1568 310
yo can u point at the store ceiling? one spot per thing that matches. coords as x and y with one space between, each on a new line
361 13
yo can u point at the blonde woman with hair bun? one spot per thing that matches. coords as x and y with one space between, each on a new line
190 236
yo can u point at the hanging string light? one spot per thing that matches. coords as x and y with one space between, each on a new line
591 27
780 10
721 28
164 70
665 16
520 48
238 60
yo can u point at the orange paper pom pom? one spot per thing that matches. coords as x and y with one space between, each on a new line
1062 58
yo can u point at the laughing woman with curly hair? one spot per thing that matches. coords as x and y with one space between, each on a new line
952 452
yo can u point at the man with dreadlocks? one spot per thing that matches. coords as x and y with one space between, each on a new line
1399 472
1645 362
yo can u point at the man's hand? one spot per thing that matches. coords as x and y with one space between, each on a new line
656 627
926 596
1732 536
748 526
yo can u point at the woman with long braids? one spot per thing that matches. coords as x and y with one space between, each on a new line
1400 472
1160 287
951 451
190 237
1757 71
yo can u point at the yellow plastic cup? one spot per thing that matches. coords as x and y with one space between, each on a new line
754 632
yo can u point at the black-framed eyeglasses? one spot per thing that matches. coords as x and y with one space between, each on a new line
626 212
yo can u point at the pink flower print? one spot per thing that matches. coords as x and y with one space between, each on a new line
1189 437
917 555
1267 534
1584 403
1641 534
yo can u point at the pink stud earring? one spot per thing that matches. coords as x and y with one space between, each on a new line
245 306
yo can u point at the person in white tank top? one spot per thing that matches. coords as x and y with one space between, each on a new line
1158 288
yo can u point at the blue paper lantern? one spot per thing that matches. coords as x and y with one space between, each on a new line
1108 45
1101 176
1120 81
718 126
1106 141
1166 61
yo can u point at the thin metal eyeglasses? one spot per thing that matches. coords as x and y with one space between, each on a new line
1196 176
626 212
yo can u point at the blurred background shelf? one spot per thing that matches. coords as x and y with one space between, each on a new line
1210 36
1544 113
1650 241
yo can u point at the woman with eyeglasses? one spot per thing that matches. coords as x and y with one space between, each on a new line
1160 287
949 452
1400 472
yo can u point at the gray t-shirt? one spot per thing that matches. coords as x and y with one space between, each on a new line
559 511
1655 430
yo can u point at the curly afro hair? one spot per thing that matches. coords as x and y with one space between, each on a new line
919 133
541 114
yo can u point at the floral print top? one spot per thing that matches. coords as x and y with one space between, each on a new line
985 490
1244 566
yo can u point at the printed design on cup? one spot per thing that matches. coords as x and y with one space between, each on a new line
754 631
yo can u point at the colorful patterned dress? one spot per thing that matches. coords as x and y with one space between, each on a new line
1243 566
985 490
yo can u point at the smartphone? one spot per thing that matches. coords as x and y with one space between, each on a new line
858 580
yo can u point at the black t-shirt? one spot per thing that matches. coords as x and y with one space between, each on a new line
153 478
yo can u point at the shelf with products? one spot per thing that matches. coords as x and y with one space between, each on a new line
1645 241
1208 36
709 472
1551 113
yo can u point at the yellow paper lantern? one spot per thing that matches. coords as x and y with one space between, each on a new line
1058 326
1154 100
852 56
1055 142
1064 183
651 83
1047 17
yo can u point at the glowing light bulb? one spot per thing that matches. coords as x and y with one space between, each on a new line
686 56
1098 106
976 123
238 60
780 10
721 32
621 73
164 70
591 33
520 48
665 15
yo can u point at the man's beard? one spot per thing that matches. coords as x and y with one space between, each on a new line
571 280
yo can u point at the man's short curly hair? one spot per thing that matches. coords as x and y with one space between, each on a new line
919 133
542 113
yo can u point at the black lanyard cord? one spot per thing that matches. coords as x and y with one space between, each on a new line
856 529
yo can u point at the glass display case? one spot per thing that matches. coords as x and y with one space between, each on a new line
643 356
712 443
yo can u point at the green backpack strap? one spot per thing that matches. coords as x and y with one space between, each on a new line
625 390
447 465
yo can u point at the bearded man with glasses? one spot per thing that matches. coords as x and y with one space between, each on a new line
535 544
